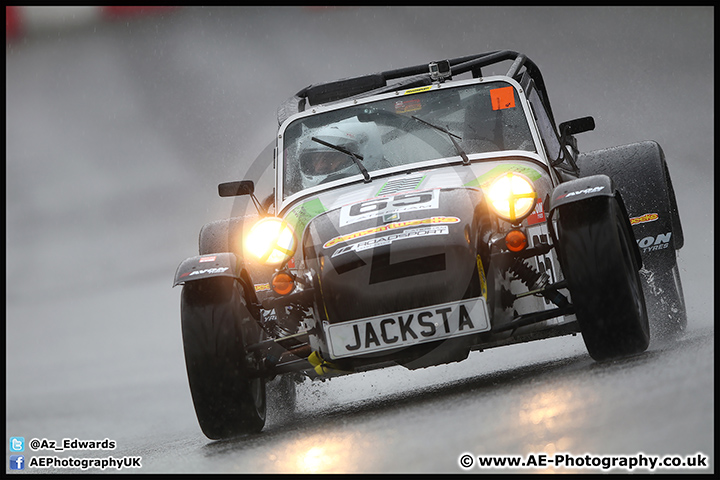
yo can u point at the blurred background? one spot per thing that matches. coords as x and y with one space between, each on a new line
120 123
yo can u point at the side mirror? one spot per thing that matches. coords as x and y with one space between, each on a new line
234 189
567 131
243 187
579 125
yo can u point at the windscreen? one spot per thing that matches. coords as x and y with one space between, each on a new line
432 123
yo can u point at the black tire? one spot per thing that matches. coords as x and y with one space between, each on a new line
224 235
216 327
596 250
665 300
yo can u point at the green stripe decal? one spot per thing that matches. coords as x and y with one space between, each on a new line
484 180
301 215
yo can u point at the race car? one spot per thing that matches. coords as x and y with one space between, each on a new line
419 214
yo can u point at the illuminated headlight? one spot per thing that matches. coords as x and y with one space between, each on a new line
272 241
512 196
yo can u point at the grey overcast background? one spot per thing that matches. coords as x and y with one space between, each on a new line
118 133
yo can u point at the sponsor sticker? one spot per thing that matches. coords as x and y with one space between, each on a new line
651 244
388 239
585 191
408 106
388 227
207 259
538 215
483 280
417 90
648 217
206 271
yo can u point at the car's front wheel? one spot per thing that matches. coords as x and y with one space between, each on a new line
598 261
228 396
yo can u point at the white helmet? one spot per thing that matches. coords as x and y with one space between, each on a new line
319 163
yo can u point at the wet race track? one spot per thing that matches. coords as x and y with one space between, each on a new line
117 136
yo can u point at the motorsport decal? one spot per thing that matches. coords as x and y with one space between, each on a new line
651 244
484 180
205 271
417 90
390 226
207 259
381 206
388 239
648 217
538 214
408 106
585 191
483 280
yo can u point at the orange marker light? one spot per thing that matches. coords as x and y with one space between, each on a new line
283 283
515 240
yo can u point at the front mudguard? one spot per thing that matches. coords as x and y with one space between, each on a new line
582 189
222 264
200 267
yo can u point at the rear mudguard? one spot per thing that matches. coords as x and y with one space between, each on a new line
640 173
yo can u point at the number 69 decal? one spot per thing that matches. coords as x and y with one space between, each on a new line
376 207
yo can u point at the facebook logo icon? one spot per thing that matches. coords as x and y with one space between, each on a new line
17 462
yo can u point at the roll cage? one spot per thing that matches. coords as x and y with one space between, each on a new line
522 69
411 77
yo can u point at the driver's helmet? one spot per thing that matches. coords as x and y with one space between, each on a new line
319 163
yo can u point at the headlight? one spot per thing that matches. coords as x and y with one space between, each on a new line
272 241
512 196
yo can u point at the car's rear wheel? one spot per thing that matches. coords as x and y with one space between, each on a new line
228 396
596 250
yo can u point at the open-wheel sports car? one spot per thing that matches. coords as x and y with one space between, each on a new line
419 214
